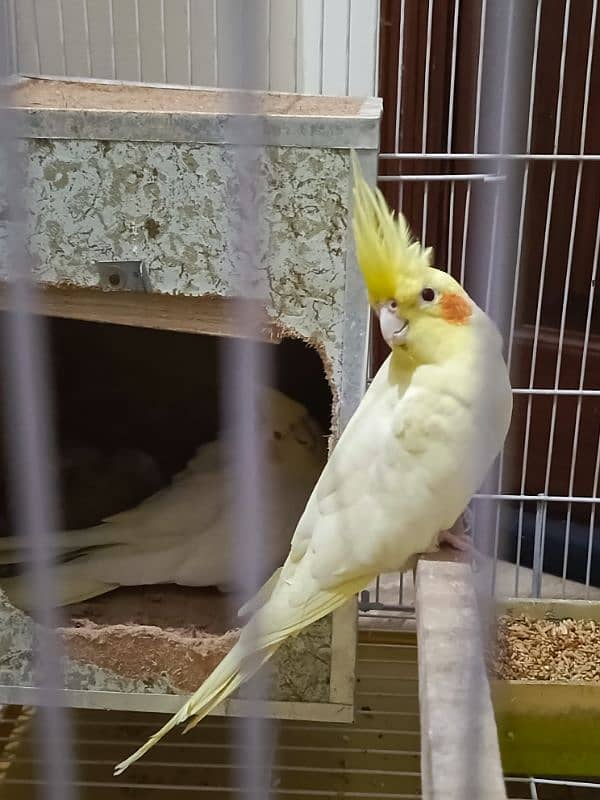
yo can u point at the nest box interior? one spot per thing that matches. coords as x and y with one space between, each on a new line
131 405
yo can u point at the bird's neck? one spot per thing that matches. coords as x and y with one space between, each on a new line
439 343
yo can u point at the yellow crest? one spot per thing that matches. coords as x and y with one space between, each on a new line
387 254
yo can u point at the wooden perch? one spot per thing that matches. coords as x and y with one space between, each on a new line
460 757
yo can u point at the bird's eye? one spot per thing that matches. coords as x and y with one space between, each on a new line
392 305
277 435
428 294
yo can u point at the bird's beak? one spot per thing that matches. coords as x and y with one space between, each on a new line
393 328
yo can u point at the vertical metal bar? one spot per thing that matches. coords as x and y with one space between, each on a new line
14 38
399 84
28 417
496 545
61 29
113 53
453 76
463 255
512 323
189 42
88 41
491 84
36 28
588 566
525 182
216 41
567 285
538 312
245 364
138 30
425 121
498 189
538 547
566 295
533 789
488 288
451 103
425 210
377 12
348 23
163 40
268 65
582 371
501 149
479 75
369 354
322 48
297 48
450 246
519 545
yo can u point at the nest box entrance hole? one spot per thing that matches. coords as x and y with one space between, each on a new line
131 406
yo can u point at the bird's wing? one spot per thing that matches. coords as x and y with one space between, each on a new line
341 485
397 476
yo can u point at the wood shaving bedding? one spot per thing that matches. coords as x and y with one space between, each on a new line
547 650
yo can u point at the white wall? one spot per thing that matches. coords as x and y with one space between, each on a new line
313 46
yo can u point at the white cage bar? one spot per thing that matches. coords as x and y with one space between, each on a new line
456 166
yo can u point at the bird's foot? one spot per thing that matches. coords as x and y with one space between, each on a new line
458 536
459 541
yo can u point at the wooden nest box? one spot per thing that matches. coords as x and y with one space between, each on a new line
132 196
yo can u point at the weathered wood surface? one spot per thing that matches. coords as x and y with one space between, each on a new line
460 756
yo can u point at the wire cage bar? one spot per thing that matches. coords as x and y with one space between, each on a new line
552 347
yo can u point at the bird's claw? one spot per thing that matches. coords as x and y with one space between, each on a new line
459 541
459 535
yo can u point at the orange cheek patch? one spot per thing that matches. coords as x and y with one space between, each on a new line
455 308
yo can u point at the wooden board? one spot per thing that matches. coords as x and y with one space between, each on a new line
376 756
211 315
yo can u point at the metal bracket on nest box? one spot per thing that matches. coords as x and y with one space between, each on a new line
123 276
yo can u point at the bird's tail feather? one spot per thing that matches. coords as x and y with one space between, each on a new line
239 665
223 681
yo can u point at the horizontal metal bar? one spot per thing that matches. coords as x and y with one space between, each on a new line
538 498
491 156
560 392
549 392
476 176
554 782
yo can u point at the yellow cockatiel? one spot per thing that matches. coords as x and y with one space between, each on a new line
417 448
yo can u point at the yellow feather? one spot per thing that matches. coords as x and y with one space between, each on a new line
241 663
387 253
